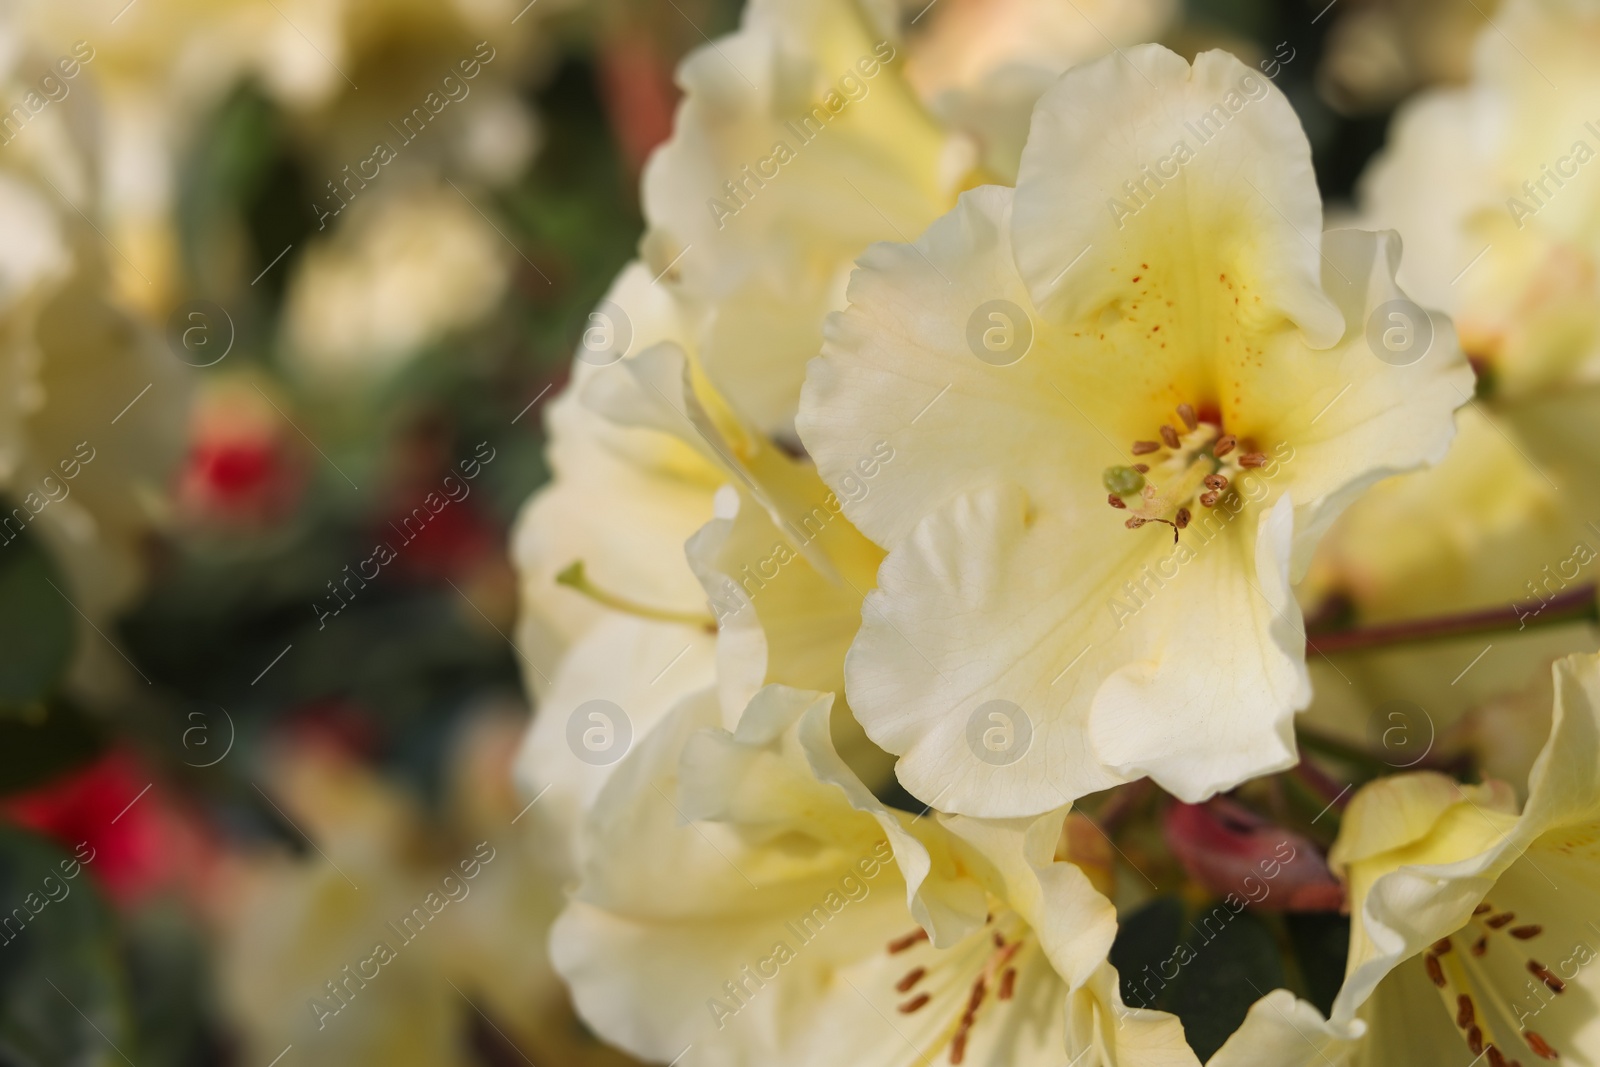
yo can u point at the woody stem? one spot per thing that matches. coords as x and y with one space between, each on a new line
1574 605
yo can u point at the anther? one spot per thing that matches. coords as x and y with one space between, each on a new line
1170 436
1115 501
1466 1014
1480 946
1142 468
1539 1045
914 1003
1495 922
1183 518
1224 445
1526 933
1475 1040
1547 976
912 977
1435 972
1134 522
1441 946
958 1047
1008 983
1216 481
1482 909
1186 413
1253 459
1141 448
1209 500
900 944
1497 1058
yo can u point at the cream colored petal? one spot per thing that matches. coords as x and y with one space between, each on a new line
1282 1030
1201 716
798 144
632 666
779 620
1100 681
1244 205
1403 810
898 368
767 939
1074 923
1102 1029
1356 417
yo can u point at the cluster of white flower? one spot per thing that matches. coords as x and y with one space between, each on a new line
1137 427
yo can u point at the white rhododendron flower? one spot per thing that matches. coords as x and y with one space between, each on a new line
798 920
1156 312
1471 923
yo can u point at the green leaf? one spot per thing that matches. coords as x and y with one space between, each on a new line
1321 943
1233 961
36 623
62 992
1145 941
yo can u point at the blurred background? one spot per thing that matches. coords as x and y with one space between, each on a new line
272 400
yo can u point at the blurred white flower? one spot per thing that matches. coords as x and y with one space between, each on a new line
403 272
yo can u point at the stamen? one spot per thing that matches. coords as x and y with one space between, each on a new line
1115 501
1134 522
1482 909
1142 448
1466 1014
574 577
1186 413
900 944
1225 444
1182 519
1480 946
1441 946
912 977
1495 922
1475 1041
1142 468
1170 437
1497 1058
914 1003
1209 500
1216 481
1253 459
1525 933
958 1046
